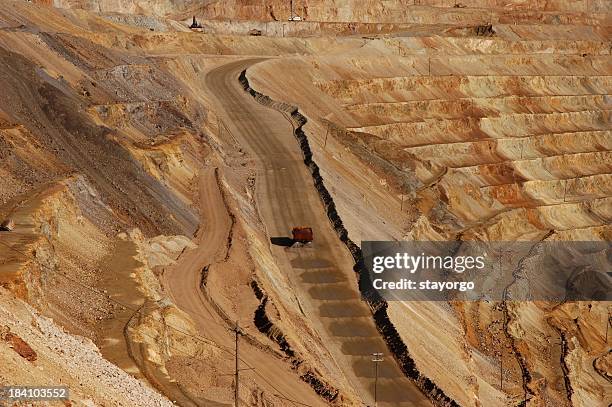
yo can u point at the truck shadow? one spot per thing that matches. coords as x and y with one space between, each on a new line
282 241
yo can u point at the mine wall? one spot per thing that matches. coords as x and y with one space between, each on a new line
263 323
377 305
267 327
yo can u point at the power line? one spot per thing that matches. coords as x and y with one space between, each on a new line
196 337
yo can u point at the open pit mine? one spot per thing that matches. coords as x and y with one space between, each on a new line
185 186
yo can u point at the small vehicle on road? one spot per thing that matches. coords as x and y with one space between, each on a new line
302 234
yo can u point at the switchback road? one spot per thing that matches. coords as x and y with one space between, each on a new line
321 275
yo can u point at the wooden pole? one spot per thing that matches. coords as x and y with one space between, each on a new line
608 324
237 377
501 370
376 358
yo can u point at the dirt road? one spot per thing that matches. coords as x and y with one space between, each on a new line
182 281
321 275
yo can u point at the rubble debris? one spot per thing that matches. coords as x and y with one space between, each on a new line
20 347
485 30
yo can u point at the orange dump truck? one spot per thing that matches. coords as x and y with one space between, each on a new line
302 234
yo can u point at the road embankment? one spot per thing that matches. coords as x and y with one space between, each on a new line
378 306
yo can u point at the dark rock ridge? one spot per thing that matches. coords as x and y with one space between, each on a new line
378 306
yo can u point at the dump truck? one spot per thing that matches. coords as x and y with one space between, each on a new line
302 234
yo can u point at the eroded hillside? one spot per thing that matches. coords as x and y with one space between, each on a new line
501 137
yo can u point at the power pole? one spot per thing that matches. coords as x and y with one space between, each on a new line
608 325
377 357
237 332
501 371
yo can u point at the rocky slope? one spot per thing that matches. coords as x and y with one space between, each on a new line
36 351
357 11
102 146
502 137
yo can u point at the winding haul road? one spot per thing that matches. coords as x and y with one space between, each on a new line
321 275
182 281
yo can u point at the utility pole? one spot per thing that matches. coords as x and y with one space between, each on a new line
377 357
608 325
237 332
501 370
291 8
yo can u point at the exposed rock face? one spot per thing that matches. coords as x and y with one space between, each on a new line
7 225
159 8
54 354
20 347
357 11
469 142
102 143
